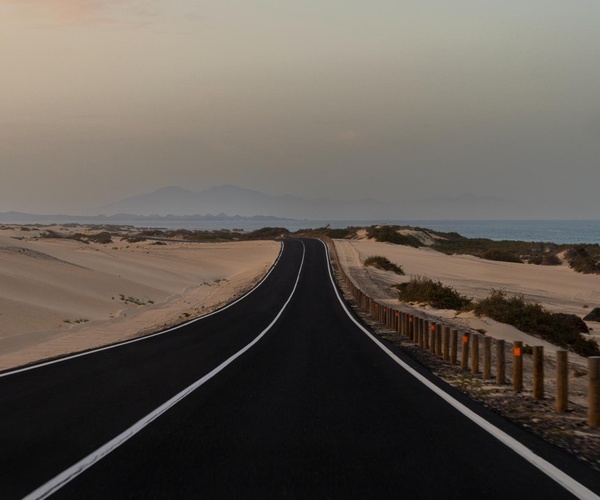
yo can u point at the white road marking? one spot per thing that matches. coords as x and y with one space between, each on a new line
547 468
72 472
145 337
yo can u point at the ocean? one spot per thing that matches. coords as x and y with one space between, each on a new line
552 231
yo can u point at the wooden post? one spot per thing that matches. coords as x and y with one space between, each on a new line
433 338
487 357
475 353
517 366
453 346
446 344
464 355
500 363
538 372
421 327
562 381
594 391
411 327
438 340
426 334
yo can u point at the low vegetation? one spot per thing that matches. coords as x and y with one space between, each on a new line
427 291
563 330
593 315
390 234
501 256
584 258
505 251
379 262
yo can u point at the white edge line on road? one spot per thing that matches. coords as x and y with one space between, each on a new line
145 337
546 467
72 472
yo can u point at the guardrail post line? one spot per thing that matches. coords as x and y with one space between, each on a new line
500 363
594 391
453 346
538 372
562 381
487 357
464 355
517 366
475 353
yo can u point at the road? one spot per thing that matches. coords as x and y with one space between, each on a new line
282 394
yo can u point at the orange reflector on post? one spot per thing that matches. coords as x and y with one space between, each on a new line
517 352
397 314
410 319
465 339
432 328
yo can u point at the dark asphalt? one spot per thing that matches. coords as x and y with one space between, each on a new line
314 410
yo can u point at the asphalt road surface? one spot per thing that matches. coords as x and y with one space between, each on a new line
281 395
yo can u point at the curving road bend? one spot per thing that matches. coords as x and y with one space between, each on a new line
283 394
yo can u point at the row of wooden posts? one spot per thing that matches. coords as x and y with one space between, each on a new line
443 342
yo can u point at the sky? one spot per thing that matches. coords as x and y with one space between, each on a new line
388 99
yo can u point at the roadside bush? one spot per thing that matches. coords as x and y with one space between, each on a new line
561 329
435 293
383 263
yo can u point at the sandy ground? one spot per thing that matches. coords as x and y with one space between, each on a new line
557 288
59 296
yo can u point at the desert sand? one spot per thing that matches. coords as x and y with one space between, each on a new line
59 296
557 288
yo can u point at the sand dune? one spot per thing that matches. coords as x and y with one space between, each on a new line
59 295
558 288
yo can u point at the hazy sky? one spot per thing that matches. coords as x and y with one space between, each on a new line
103 99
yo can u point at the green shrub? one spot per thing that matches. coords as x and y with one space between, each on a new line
561 329
390 234
593 315
435 293
102 238
581 260
545 259
384 263
500 255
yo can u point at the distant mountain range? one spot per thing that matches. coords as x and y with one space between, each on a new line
232 203
244 202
